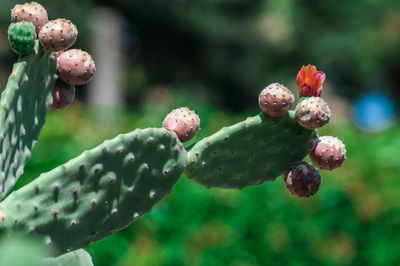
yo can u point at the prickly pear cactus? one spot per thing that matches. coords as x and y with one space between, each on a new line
23 107
107 188
99 192
249 153
263 147
20 250
75 258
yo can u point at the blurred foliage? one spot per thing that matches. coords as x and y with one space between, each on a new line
353 219
227 50
230 49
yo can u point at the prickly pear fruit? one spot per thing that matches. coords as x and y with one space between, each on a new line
275 100
58 35
184 122
63 95
21 36
302 179
75 67
329 153
312 113
31 12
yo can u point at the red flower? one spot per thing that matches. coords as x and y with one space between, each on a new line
309 81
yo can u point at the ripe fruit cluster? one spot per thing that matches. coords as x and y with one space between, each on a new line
312 112
75 67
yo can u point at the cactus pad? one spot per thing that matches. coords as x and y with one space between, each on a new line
23 107
249 153
19 250
99 192
21 36
75 258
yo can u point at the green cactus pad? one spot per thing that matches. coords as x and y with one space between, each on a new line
23 107
249 153
20 250
75 258
22 36
99 192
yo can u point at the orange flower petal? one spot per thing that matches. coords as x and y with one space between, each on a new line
310 81
300 78
318 79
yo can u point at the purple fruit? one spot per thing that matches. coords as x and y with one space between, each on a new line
75 67
329 153
58 35
302 179
30 12
312 113
63 95
275 100
184 122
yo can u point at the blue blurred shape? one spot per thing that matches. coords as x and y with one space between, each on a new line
374 112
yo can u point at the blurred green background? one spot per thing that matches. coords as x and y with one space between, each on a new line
215 56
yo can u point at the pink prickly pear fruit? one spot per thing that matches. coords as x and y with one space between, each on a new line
75 67
329 153
58 35
63 95
275 100
31 12
184 122
302 179
312 113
